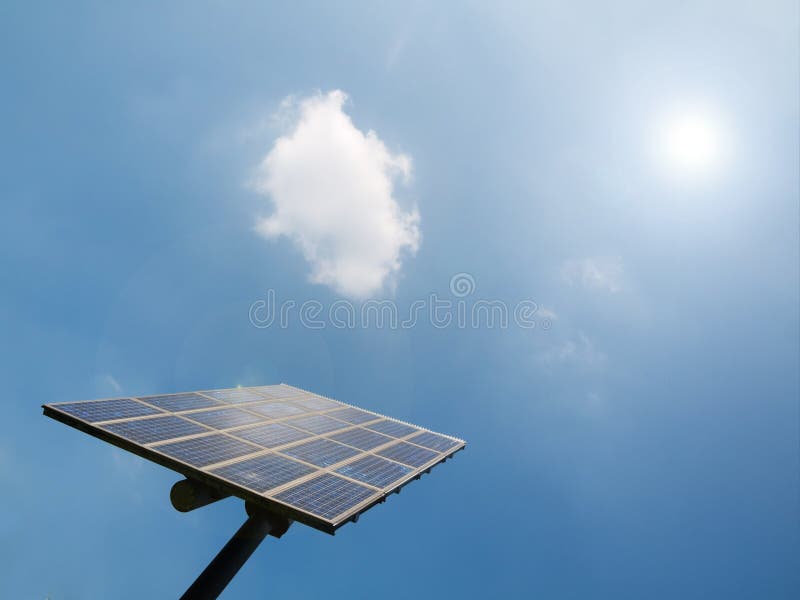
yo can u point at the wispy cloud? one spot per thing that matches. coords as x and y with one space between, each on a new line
578 350
129 469
604 273
547 313
106 384
333 191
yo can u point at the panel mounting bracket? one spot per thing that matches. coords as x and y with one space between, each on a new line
190 494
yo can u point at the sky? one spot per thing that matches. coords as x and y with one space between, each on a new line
622 177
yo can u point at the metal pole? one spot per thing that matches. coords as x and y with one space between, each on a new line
230 559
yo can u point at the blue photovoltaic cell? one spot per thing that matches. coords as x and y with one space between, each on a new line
179 402
278 391
234 396
271 434
321 452
408 454
264 472
392 428
353 415
276 410
206 450
325 496
224 418
374 471
106 410
317 424
363 439
314 403
433 441
155 429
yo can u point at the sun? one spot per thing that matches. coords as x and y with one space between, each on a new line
691 143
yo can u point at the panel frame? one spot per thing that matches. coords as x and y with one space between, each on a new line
329 526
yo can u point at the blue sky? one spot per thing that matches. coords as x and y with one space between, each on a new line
629 167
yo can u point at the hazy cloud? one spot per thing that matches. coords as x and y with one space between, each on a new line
333 191
595 273
578 350
107 385
547 313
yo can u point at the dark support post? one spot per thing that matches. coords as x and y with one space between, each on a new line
235 553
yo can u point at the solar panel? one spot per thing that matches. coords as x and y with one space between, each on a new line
95 411
326 495
433 441
353 415
363 439
278 391
271 434
155 429
317 423
408 454
276 410
305 456
264 472
392 428
206 450
235 395
374 471
224 418
314 403
321 452
179 402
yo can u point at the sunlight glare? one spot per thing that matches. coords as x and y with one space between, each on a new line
690 144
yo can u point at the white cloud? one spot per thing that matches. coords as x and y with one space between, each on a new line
595 273
333 191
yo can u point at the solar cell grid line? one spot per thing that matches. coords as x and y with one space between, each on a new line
97 411
154 429
353 415
261 408
295 400
315 403
277 391
272 493
360 438
264 472
408 454
392 428
346 405
278 415
234 395
271 435
224 418
326 496
284 389
320 452
276 410
375 471
432 441
206 450
317 423
180 402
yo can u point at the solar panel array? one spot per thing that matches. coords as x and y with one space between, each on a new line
320 461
